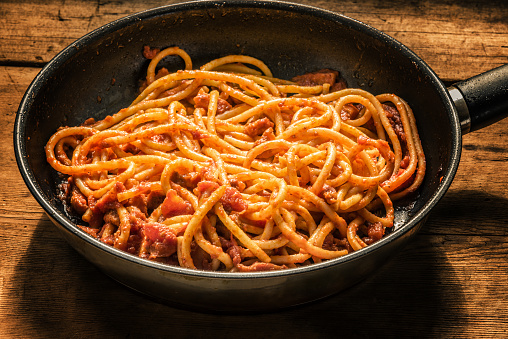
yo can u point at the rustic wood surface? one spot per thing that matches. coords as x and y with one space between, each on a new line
450 281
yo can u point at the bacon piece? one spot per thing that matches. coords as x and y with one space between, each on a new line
157 232
140 202
223 106
235 254
89 122
350 111
191 179
329 244
133 243
201 259
137 218
233 200
232 248
393 116
329 194
111 217
108 201
343 243
260 266
149 52
267 136
65 189
206 187
203 99
96 219
161 72
158 250
78 201
163 240
339 85
375 232
404 163
210 172
174 205
323 76
257 127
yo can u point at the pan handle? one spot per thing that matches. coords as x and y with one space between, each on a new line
481 100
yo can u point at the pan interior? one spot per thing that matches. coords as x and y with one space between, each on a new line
100 73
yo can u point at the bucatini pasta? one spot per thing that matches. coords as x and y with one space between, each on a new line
227 168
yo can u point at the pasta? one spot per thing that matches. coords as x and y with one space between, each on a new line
228 168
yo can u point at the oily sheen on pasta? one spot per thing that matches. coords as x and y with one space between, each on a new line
227 168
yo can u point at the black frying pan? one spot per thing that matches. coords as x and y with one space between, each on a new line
292 39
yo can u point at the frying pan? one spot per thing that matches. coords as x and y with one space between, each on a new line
98 74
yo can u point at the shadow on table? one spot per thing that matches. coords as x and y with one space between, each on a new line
59 293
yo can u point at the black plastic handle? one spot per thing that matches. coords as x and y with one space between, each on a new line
486 97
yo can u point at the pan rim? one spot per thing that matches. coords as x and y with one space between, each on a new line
46 72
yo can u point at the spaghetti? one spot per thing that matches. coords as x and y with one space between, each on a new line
227 168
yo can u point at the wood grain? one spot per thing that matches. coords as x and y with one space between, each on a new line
450 281
458 39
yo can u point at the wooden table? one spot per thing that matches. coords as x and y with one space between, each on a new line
449 281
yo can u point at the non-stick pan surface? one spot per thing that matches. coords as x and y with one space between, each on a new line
99 74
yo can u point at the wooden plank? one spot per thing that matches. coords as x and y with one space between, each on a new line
476 202
434 286
448 282
458 40
13 83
